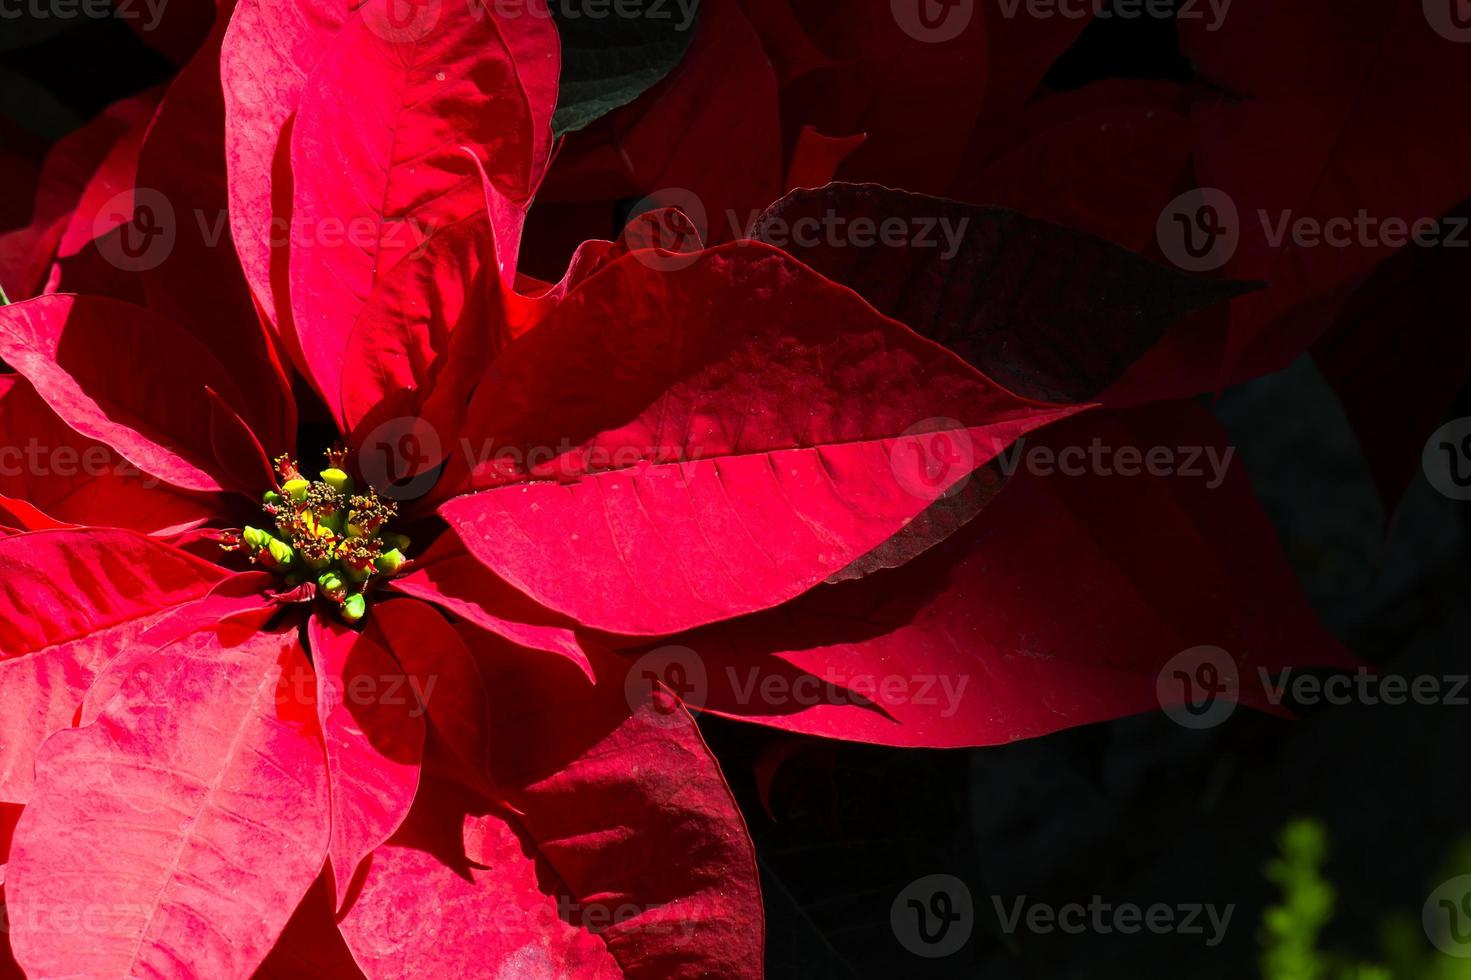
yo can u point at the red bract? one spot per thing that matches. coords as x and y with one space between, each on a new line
449 751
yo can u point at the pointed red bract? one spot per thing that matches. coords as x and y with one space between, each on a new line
268 52
738 435
407 112
70 602
203 782
631 810
445 680
629 858
373 728
53 476
1057 607
456 894
451 578
123 376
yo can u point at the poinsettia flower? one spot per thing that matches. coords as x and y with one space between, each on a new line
369 646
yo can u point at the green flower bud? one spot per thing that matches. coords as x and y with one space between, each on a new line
271 498
354 607
390 561
332 585
256 538
296 489
337 480
281 553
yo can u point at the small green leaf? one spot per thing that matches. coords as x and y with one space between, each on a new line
611 59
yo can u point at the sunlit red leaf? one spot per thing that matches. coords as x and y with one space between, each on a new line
203 781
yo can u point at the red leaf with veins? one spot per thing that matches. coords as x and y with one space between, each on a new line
628 832
70 601
52 476
444 678
736 435
457 894
268 52
972 648
203 781
451 578
124 377
373 727
400 114
633 814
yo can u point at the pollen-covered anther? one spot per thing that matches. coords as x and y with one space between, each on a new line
368 513
287 469
358 557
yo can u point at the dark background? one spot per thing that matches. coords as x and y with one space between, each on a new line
1139 810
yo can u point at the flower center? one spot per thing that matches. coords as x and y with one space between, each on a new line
326 533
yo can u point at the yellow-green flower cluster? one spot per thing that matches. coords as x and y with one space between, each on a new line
326 532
